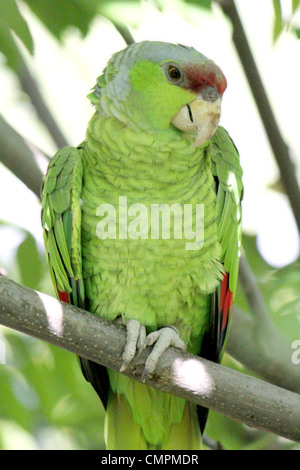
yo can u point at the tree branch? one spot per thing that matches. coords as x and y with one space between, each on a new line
279 147
263 350
251 290
30 87
22 157
261 347
231 393
123 31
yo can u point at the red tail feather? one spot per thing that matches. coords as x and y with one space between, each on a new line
64 297
226 298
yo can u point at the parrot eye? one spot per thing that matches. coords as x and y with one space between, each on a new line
174 73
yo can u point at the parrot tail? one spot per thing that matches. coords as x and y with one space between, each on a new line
123 433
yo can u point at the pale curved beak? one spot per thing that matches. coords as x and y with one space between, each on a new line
199 116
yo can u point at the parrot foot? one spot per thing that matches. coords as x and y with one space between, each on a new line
163 338
137 341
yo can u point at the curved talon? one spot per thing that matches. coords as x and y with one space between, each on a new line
145 374
165 337
124 366
135 338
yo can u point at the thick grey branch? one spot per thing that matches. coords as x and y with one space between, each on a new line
236 395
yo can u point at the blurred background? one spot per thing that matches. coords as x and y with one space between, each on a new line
51 53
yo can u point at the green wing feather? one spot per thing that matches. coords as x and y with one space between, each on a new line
61 220
227 172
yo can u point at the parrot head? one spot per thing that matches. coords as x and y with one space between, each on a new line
157 85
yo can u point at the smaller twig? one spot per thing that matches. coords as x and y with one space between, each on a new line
22 157
124 32
251 290
30 87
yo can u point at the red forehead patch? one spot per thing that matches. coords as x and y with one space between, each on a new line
201 76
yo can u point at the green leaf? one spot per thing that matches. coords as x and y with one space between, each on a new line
29 262
12 20
278 24
297 31
295 5
277 9
57 15
8 47
11 16
201 3
124 12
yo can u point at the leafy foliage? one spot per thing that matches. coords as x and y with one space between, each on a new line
201 3
295 5
280 23
12 20
57 15
28 255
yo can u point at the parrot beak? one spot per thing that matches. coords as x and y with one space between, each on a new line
202 116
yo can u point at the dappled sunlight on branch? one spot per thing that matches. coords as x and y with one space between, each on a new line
54 313
192 375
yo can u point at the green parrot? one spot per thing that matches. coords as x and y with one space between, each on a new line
153 149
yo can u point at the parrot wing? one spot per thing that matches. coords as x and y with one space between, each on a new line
229 188
61 221
227 174
228 177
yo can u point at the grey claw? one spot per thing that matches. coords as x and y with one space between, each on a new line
135 337
145 374
124 366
